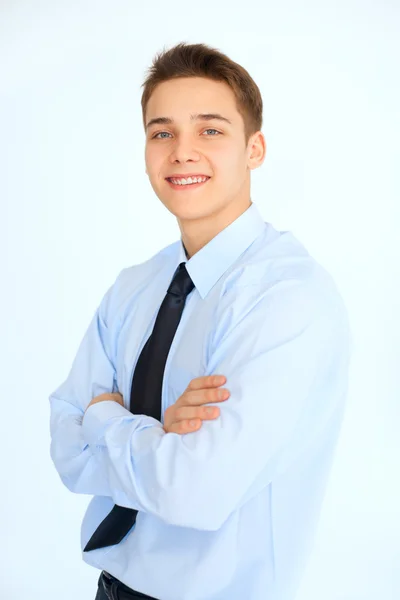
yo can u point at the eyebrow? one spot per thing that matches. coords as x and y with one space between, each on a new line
193 117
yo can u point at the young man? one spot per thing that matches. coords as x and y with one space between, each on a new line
225 508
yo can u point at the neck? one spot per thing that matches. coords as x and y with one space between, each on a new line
195 235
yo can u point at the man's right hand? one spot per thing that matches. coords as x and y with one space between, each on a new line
188 412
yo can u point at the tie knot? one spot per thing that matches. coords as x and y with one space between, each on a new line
182 283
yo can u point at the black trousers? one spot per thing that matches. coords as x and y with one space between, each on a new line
111 588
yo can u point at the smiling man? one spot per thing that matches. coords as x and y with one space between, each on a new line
225 507
182 141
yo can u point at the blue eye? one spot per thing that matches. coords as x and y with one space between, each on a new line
157 134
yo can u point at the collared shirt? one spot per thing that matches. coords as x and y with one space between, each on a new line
227 512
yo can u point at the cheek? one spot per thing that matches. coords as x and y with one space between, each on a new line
227 164
151 151
149 156
153 162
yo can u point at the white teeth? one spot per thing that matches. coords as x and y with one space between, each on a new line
189 180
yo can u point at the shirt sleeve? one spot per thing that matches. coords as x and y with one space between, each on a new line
284 352
93 372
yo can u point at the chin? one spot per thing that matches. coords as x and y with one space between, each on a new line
186 212
189 211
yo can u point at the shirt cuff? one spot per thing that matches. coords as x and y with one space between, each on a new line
99 416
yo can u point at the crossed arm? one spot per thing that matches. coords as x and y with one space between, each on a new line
281 361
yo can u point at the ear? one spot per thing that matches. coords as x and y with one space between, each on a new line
258 150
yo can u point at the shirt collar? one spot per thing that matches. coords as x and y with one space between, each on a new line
211 262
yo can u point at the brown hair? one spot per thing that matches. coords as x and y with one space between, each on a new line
199 60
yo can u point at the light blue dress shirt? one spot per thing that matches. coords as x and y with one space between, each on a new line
227 512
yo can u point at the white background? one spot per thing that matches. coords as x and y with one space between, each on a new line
77 207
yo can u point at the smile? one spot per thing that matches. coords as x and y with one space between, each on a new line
186 186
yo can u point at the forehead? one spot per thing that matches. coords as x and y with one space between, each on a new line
179 98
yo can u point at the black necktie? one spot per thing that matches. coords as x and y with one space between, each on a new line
146 393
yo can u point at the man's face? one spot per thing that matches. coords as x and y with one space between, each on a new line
214 148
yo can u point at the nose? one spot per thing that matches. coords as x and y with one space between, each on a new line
183 150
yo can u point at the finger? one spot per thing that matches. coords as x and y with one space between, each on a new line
186 426
185 413
199 397
206 381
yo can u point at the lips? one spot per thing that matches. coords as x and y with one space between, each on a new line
190 186
183 176
187 177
